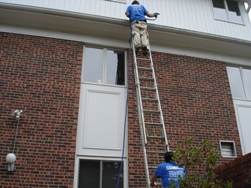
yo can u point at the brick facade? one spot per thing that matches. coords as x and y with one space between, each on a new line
237 171
41 76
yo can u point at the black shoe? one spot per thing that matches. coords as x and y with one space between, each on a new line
138 49
145 50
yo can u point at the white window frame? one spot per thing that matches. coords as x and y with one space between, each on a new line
227 13
243 84
104 63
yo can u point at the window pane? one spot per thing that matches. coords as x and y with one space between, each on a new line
89 174
219 4
219 10
234 11
115 67
247 78
235 81
110 175
93 65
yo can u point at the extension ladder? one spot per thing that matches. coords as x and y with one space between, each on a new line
153 132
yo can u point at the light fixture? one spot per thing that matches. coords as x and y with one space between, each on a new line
11 158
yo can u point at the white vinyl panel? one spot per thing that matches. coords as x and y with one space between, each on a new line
78 5
201 26
178 13
243 113
175 14
185 11
113 12
101 120
208 15
46 4
107 7
58 4
68 5
168 14
122 9
163 9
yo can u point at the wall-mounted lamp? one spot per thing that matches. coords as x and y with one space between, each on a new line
11 158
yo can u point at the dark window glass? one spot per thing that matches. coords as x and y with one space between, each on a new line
89 174
115 67
233 7
219 4
110 175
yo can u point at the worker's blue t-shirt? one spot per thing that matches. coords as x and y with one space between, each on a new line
168 171
137 12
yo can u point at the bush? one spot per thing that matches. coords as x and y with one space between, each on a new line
200 162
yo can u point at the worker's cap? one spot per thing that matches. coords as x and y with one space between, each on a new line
168 156
135 2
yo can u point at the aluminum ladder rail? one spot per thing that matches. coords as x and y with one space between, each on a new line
148 98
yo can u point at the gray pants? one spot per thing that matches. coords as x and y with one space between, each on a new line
140 34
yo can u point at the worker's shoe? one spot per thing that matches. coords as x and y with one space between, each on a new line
145 50
138 49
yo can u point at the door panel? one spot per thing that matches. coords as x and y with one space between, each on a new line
243 114
101 120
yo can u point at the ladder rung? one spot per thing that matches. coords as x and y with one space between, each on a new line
152 167
144 59
151 111
149 99
144 68
152 123
159 137
148 88
154 151
145 78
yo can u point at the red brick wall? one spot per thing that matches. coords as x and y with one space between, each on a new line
237 171
196 102
40 76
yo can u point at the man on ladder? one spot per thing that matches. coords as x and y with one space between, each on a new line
136 13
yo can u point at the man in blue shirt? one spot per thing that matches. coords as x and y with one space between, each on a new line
136 13
168 171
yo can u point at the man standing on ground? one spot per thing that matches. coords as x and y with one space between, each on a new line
136 13
168 171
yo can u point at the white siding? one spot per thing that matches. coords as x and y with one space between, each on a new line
192 15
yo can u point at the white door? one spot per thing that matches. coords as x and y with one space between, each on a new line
102 103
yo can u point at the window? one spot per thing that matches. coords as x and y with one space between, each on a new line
99 174
104 66
240 82
227 10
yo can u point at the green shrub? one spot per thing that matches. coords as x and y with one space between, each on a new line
200 162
